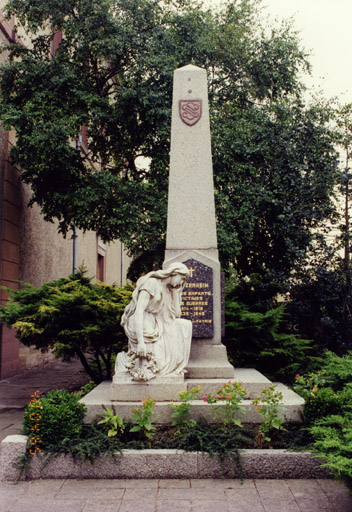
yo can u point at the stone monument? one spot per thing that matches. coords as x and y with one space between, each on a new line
149 367
191 223
159 340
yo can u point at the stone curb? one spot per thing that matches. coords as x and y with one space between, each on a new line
257 464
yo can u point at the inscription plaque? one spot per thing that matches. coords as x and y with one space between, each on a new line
197 299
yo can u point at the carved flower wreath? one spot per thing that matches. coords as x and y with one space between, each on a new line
140 375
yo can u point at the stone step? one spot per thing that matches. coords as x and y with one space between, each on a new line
159 388
99 398
169 387
253 381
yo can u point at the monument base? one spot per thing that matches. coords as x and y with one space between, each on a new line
253 381
209 361
123 388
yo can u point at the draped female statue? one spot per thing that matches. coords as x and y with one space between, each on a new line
159 340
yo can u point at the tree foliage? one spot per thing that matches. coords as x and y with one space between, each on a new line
321 294
320 305
274 165
74 317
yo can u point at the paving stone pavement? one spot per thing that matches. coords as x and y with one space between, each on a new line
15 392
222 495
175 495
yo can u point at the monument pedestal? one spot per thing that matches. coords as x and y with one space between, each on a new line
252 380
124 389
209 361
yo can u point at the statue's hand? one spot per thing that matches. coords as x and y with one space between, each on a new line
141 350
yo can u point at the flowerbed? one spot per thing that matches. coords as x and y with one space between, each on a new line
326 428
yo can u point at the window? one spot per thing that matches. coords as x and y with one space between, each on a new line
101 268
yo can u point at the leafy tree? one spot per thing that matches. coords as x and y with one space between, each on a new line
321 294
281 183
74 317
274 163
344 139
319 307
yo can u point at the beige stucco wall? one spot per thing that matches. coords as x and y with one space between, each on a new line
21 33
45 256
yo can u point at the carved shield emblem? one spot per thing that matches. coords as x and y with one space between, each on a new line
190 111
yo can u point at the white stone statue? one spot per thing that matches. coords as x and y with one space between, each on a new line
159 341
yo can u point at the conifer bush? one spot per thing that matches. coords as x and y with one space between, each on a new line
333 440
327 392
255 339
74 317
328 413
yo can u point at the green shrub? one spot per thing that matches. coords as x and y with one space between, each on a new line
182 410
328 412
329 390
58 416
85 389
307 385
269 407
253 339
230 395
322 403
74 317
321 303
338 370
113 423
143 419
333 441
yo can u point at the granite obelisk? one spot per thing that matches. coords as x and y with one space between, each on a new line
191 223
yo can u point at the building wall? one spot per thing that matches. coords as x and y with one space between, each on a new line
32 250
10 212
45 255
